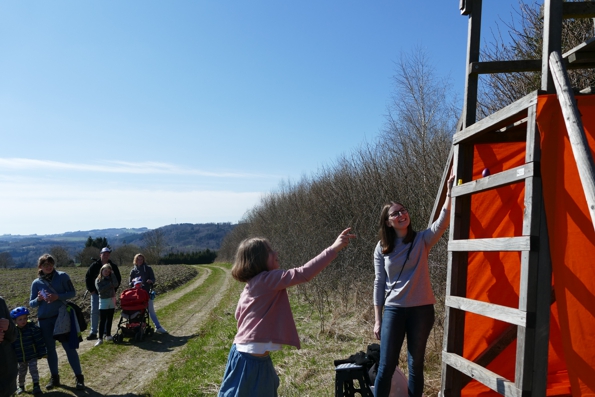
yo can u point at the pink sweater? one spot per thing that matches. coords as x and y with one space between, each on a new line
263 311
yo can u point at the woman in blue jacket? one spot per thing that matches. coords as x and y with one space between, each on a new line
48 292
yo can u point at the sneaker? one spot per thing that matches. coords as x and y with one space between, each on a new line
99 342
161 330
109 338
21 389
92 337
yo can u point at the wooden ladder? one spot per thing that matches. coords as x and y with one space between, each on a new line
529 322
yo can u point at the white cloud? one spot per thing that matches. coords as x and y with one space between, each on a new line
119 167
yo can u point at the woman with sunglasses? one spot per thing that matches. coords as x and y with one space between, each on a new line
402 288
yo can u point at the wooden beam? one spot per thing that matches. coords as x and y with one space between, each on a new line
502 118
576 132
491 379
552 40
497 312
518 66
583 9
456 276
522 243
513 175
473 48
442 189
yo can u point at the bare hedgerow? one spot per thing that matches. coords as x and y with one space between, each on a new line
404 164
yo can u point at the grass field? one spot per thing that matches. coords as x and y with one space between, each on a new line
15 284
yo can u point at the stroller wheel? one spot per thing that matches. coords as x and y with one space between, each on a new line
116 338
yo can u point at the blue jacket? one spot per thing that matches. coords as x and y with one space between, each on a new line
61 284
29 344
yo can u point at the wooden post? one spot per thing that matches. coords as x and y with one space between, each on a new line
576 133
552 40
472 79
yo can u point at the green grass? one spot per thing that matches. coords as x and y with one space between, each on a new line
198 369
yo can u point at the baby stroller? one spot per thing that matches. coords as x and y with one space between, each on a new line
134 318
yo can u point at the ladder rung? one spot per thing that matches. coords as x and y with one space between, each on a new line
507 177
521 243
491 379
497 312
501 118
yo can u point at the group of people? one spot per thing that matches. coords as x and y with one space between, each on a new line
403 303
23 342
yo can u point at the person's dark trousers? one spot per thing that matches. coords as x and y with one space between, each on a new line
415 322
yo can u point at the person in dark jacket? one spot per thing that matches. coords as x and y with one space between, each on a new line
29 346
90 278
143 272
8 358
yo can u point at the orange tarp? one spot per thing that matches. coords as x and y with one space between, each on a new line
494 276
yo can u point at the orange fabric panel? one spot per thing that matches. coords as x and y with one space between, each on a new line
493 276
572 240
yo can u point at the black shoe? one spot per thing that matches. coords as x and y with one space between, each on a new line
80 382
92 337
54 382
36 389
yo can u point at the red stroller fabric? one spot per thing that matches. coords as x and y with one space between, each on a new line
134 299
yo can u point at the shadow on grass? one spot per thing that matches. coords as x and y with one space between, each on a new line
87 392
160 343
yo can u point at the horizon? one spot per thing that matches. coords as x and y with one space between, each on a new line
144 113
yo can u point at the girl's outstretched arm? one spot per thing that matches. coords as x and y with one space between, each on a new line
343 240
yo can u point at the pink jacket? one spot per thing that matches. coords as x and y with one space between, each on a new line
263 311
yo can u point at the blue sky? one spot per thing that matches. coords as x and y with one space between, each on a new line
146 113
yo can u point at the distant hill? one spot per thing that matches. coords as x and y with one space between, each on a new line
184 237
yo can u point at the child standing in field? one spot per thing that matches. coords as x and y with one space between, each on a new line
29 346
265 320
106 284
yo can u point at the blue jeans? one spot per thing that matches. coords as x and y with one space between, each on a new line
94 312
47 331
415 322
153 314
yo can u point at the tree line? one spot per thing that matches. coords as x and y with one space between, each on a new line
404 163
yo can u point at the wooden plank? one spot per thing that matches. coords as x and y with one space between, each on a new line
513 175
456 277
533 148
491 379
518 66
497 312
503 117
442 189
583 9
522 243
576 132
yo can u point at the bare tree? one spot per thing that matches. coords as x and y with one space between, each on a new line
525 42
61 256
87 256
124 254
6 260
405 164
154 245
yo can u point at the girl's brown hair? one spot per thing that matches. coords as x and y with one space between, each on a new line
42 260
106 266
251 258
387 235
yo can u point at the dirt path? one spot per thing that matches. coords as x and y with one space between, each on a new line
128 368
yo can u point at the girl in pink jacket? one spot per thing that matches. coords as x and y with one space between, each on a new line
265 321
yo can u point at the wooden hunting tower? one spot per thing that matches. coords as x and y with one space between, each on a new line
520 293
